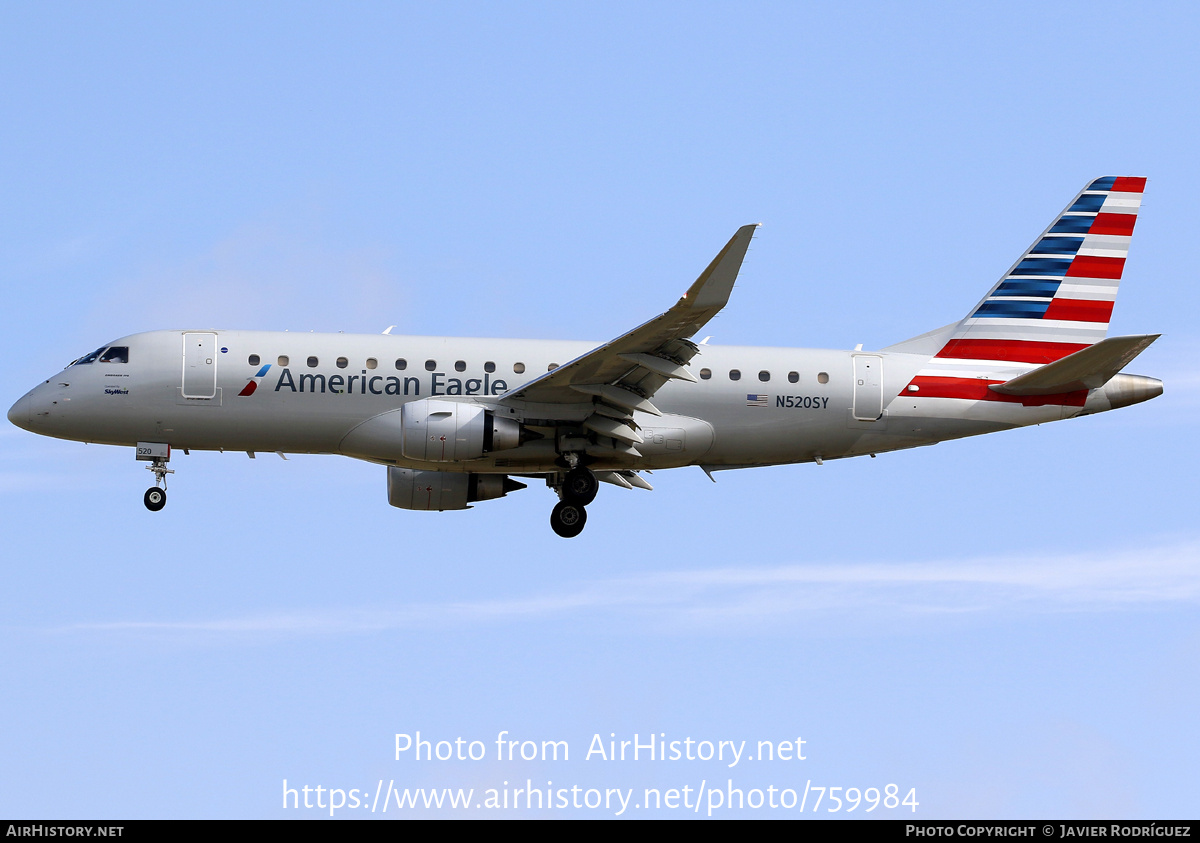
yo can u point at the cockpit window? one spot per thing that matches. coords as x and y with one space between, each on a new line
89 358
116 354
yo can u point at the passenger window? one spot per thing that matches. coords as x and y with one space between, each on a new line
430 365
735 374
764 376
823 377
705 374
489 367
793 377
401 365
372 362
342 362
519 368
282 360
253 360
460 366
116 354
312 362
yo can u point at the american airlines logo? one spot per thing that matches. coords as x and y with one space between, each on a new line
253 383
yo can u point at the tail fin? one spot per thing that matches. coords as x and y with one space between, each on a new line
1057 299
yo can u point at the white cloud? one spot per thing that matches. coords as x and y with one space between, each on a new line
753 599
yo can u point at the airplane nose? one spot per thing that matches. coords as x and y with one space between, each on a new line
21 413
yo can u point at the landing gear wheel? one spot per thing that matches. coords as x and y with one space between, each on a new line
155 498
567 519
580 486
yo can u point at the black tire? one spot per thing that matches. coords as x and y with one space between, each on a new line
568 519
155 498
580 486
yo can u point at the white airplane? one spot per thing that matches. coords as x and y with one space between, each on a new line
454 420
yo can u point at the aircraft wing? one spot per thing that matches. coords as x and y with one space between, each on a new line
623 375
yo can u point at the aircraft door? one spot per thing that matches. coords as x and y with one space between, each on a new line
868 387
199 365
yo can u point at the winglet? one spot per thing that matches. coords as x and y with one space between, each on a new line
715 283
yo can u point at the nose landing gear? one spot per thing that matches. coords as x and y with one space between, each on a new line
155 498
157 454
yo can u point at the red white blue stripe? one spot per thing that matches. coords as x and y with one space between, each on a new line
1055 300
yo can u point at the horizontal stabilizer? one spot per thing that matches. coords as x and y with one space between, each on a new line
1088 368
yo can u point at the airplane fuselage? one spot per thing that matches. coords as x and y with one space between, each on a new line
309 393
456 419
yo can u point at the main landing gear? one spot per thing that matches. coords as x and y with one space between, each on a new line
577 490
157 454
568 519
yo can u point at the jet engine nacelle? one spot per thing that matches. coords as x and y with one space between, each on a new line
441 490
434 430
446 431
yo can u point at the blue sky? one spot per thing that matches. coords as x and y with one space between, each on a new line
1007 624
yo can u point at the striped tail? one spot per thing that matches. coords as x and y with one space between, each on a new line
1057 299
